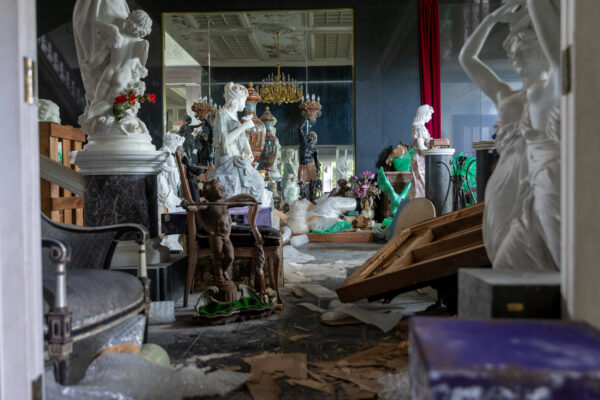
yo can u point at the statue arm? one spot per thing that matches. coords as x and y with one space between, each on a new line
140 51
482 75
545 16
232 136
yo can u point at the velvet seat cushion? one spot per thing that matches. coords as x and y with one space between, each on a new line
241 236
95 296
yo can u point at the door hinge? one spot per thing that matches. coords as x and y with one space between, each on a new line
29 80
566 70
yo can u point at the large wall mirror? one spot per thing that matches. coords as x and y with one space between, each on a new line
314 49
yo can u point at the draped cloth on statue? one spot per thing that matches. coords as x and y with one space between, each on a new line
233 163
533 238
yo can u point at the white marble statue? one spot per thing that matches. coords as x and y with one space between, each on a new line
421 139
48 111
112 55
342 171
522 212
168 185
233 155
289 185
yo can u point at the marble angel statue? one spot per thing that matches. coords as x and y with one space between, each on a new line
112 55
168 185
233 155
421 139
512 230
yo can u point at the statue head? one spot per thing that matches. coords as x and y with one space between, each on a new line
235 96
138 23
213 190
423 114
525 53
172 140
48 111
187 120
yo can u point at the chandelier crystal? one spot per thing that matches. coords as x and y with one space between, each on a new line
279 89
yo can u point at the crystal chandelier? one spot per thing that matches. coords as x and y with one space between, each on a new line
278 89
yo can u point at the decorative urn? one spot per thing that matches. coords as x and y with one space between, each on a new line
256 135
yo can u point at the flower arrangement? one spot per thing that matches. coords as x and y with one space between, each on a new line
365 185
125 102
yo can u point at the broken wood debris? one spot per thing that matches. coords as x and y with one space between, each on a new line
357 374
420 254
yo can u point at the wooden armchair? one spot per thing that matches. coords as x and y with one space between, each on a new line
82 297
243 237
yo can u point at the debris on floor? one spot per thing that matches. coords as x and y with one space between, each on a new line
360 376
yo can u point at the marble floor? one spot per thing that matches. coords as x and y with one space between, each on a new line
227 345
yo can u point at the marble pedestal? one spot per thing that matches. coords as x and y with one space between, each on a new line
486 156
121 187
437 180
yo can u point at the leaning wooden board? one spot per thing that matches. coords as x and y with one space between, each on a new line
420 254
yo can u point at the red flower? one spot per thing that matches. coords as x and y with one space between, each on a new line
151 97
132 99
120 99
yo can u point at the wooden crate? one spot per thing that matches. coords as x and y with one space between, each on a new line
57 203
419 255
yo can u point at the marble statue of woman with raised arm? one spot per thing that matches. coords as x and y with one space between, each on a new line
533 239
421 139
508 186
233 155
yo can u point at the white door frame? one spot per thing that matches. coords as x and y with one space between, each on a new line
21 341
580 190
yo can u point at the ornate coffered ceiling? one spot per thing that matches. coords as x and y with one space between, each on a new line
250 38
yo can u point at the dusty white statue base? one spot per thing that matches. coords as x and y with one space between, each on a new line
119 162
126 253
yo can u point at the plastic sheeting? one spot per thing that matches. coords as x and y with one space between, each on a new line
161 312
290 254
131 377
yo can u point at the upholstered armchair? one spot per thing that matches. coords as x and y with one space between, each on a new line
82 297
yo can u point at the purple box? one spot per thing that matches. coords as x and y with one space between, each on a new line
503 359
176 223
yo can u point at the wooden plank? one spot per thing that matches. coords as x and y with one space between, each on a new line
67 203
51 129
446 218
383 253
407 256
66 159
415 275
459 224
54 189
449 244
79 216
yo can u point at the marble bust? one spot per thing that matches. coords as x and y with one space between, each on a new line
421 139
233 155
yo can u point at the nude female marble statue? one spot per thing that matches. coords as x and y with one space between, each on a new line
421 139
233 155
511 228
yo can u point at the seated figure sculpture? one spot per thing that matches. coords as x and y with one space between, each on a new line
233 155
